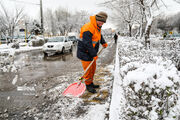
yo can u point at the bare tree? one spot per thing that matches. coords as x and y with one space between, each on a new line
124 12
150 11
10 21
3 28
174 22
62 17
178 1
80 18
142 12
61 21
50 22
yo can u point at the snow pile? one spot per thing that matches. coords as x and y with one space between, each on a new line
7 62
7 56
28 48
150 83
92 113
118 100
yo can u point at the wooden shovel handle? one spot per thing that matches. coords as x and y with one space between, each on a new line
81 78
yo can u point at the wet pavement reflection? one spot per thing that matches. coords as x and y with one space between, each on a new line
32 67
36 74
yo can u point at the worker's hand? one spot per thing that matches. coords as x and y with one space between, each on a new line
105 45
95 58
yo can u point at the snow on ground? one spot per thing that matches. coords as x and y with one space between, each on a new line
137 71
5 49
27 48
87 107
7 57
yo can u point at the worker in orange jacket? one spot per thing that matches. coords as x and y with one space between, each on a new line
88 47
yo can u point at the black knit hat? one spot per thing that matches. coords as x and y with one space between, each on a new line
101 16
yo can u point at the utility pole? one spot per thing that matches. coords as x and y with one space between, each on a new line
26 32
41 13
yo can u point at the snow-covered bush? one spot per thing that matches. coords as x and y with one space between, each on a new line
150 82
151 90
134 51
7 62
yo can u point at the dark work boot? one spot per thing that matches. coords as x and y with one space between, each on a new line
95 86
90 88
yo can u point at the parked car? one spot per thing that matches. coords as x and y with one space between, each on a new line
73 39
57 45
3 41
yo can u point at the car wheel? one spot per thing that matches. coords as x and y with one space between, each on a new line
70 50
63 50
45 54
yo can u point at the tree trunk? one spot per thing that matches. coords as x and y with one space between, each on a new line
141 29
142 17
130 30
53 28
138 32
12 37
147 32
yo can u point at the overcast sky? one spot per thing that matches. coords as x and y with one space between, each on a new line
72 5
91 6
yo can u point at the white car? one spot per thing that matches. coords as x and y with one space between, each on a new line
58 44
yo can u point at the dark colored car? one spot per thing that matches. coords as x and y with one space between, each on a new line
3 41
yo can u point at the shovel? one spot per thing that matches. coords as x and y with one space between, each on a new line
78 88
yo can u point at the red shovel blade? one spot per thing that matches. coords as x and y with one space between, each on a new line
75 89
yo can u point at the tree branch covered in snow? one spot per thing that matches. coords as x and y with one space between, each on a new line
135 13
178 1
123 13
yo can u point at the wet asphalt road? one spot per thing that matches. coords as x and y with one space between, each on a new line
33 70
35 76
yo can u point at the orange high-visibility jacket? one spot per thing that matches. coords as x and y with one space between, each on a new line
91 37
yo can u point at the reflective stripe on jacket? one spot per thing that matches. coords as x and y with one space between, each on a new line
91 37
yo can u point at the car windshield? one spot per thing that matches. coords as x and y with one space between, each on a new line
56 39
72 38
